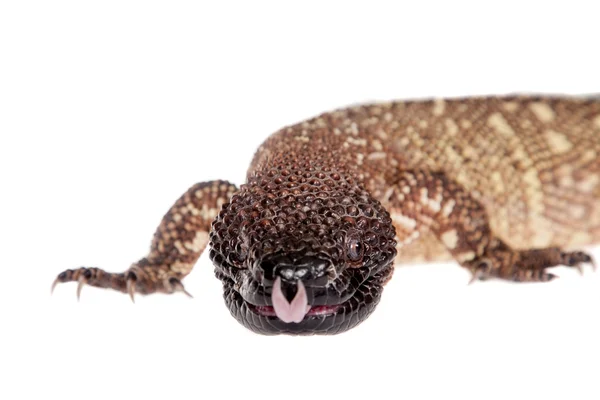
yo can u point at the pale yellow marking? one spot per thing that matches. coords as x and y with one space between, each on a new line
199 242
179 247
510 106
377 145
376 156
208 213
580 238
448 207
381 134
433 204
469 152
177 217
320 122
566 181
539 228
521 156
408 239
450 238
423 124
597 121
199 194
465 123
181 268
304 139
413 236
388 117
588 184
370 121
387 196
558 142
452 155
526 124
195 212
439 106
542 111
588 155
499 123
577 211
542 232
405 222
424 196
357 142
353 129
451 127
564 170
466 256
496 177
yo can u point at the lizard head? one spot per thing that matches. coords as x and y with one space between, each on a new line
302 250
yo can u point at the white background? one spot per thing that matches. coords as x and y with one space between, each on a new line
110 110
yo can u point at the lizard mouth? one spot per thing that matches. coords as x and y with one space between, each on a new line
294 310
319 319
269 311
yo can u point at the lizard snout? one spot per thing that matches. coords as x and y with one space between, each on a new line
295 281
312 271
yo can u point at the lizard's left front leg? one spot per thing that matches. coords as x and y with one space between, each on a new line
178 243
421 201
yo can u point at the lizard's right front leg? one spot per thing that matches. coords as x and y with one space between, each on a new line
178 243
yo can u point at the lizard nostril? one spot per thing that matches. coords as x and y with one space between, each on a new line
312 270
292 273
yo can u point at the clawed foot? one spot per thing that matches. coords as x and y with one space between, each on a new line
135 280
577 259
527 265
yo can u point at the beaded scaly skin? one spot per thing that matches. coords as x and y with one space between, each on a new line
506 186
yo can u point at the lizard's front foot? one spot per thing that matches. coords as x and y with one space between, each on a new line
525 265
143 278
178 243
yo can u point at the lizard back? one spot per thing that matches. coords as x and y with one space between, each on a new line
533 162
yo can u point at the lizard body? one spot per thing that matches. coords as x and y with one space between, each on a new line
506 186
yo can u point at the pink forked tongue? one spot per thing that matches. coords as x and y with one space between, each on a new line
290 312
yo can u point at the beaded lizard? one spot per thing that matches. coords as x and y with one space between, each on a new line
507 186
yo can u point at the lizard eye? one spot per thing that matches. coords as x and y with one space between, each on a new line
355 250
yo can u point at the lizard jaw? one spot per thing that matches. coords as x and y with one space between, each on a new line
294 311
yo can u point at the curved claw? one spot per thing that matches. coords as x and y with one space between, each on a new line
56 282
177 286
188 294
80 283
131 289
477 275
480 272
